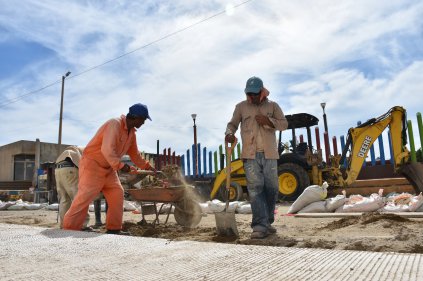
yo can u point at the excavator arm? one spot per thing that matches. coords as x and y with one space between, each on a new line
361 138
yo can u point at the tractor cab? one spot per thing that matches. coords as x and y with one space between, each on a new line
299 121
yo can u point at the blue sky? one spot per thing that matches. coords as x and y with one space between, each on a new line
360 57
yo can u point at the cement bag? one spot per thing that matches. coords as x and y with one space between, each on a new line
315 207
216 206
6 205
166 208
19 205
232 206
205 208
103 207
404 202
129 206
53 207
335 202
244 208
311 194
358 203
34 206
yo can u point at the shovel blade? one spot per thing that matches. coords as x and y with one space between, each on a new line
226 224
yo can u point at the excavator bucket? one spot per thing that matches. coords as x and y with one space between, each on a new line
414 173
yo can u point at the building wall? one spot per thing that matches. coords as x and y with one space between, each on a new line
43 152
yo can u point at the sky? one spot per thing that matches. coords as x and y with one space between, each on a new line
180 57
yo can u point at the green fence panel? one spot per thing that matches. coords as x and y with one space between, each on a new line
411 140
216 168
420 124
238 149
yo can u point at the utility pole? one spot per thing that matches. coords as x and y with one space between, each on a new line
61 113
194 116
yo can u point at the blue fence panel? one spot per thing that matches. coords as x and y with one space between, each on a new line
183 164
188 164
372 155
204 161
210 163
199 159
381 150
390 147
342 138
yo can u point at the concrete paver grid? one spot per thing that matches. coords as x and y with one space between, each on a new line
34 253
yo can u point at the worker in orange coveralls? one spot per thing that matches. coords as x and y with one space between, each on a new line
99 165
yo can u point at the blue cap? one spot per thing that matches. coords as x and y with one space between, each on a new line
139 110
253 85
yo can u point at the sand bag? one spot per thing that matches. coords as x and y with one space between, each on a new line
315 207
244 208
34 206
129 206
311 194
358 203
53 207
404 202
216 206
6 205
205 208
335 202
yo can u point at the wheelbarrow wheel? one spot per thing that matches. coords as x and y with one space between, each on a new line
187 213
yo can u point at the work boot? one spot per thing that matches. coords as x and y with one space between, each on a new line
117 232
258 235
88 229
271 230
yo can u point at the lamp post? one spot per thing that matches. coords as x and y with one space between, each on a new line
195 145
323 105
61 112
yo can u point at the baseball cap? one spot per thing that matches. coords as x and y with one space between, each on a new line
253 85
139 110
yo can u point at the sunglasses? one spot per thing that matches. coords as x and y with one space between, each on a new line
253 94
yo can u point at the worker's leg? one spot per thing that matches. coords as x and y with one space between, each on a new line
71 179
62 180
91 181
271 186
97 211
113 192
255 184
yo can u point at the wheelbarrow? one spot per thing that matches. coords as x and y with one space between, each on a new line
187 211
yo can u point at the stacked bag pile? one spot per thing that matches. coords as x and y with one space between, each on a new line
313 200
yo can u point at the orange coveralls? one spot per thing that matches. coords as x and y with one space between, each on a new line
98 172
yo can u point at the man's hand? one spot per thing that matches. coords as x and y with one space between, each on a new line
125 169
149 167
230 138
263 120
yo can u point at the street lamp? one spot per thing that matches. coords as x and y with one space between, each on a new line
195 145
323 105
61 111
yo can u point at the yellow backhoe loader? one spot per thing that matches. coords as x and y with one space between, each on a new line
303 165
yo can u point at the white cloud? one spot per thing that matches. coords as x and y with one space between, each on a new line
305 51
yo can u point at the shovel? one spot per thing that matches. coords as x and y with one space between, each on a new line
225 221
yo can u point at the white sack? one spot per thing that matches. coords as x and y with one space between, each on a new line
311 194
315 207
358 203
335 202
244 208
53 207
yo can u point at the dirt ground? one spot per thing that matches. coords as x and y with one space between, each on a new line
369 232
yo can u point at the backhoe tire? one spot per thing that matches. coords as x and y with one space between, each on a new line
293 179
235 192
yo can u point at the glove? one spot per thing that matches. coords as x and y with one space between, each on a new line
149 167
125 169
230 138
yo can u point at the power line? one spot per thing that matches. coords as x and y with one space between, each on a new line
123 55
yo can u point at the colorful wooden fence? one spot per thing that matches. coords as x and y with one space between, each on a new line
210 162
